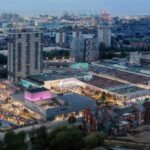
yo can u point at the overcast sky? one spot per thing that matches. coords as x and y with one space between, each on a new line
115 7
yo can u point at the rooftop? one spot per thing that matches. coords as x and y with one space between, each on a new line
55 75
104 83
23 30
35 90
78 102
80 66
126 89
121 74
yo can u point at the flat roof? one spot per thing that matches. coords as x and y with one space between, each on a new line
78 102
103 83
74 97
80 66
19 97
126 89
132 77
24 30
55 75
35 90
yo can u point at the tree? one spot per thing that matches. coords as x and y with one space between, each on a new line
94 139
1 145
72 119
32 135
52 135
15 141
39 138
123 54
66 139
9 140
21 145
103 96
56 54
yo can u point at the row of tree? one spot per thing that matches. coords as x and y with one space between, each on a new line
59 54
13 141
61 138
121 52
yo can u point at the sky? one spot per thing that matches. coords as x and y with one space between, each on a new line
56 7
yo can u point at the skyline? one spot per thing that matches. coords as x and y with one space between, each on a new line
56 7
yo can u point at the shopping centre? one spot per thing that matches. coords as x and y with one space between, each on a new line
91 84
60 93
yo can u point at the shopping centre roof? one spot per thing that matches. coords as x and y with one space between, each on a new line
55 75
104 83
78 102
35 90
126 89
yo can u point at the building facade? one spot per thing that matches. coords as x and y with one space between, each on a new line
84 49
77 52
60 38
91 53
24 53
60 106
104 35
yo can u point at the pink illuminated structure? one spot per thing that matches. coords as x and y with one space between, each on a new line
37 96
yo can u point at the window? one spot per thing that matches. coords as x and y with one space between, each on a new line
27 37
19 52
36 35
19 36
36 54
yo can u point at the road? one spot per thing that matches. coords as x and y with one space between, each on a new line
50 125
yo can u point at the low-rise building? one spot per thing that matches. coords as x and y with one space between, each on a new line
51 106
